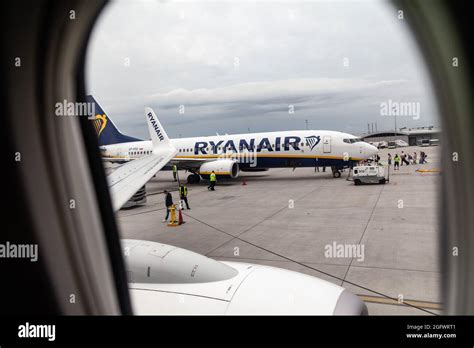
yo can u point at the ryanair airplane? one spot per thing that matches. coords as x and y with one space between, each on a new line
227 155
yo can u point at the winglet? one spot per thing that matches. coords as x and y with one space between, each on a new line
158 134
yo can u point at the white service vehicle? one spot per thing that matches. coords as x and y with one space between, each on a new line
401 143
425 142
369 174
391 145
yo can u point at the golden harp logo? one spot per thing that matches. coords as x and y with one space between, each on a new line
99 122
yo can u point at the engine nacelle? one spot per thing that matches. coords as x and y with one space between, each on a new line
223 168
166 280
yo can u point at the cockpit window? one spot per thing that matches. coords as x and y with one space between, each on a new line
352 140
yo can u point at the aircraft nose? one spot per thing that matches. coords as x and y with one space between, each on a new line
370 150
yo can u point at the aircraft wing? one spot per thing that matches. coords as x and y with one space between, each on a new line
128 178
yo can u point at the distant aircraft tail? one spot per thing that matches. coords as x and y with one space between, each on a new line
106 130
158 134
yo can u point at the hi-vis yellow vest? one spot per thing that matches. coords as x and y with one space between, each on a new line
213 177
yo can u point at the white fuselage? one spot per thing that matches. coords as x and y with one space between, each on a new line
264 150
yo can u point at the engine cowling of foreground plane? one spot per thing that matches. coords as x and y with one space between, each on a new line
226 168
168 280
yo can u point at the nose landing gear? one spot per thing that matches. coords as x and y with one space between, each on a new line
336 172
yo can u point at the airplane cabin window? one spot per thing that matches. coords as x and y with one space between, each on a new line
315 75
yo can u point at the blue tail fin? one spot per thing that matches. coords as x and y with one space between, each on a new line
106 130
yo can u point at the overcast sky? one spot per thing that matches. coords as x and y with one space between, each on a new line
239 65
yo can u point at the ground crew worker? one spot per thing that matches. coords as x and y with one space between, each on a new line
404 159
183 194
175 172
423 156
212 179
396 162
389 159
168 204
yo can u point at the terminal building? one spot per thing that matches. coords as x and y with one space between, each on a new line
412 136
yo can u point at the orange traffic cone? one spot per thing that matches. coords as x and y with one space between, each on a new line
180 218
244 183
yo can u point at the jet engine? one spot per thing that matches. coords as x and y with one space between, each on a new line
166 280
223 168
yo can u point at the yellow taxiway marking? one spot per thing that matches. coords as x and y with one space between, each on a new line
384 300
428 170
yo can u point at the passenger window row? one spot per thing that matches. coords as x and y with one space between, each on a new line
136 153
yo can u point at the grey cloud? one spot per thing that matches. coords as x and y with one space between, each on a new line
288 52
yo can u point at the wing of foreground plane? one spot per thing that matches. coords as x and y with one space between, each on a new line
127 179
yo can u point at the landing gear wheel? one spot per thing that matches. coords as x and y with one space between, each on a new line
194 179
336 174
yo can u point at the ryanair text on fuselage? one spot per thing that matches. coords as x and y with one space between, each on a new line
200 147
